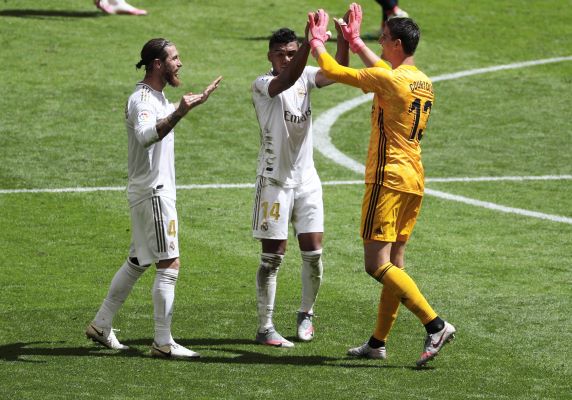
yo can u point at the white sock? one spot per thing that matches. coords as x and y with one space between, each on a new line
163 300
312 271
266 288
119 289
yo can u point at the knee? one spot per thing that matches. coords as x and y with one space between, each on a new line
313 259
370 268
271 262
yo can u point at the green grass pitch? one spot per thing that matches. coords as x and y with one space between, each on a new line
503 279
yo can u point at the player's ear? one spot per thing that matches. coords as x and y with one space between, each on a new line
157 63
268 56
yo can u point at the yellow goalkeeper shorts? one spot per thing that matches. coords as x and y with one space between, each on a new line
388 215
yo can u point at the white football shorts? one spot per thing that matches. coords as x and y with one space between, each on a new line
154 230
275 207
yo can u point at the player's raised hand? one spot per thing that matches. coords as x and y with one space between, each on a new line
318 28
307 29
211 88
341 25
354 19
350 27
189 101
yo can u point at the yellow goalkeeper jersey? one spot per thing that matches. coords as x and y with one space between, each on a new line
402 102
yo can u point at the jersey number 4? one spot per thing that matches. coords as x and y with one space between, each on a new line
416 108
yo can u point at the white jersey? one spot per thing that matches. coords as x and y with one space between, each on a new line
286 145
151 162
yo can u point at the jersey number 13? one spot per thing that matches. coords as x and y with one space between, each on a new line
416 108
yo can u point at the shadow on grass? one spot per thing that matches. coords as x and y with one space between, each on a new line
14 351
20 351
47 14
253 357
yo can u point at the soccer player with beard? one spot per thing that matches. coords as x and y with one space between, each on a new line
150 120
288 188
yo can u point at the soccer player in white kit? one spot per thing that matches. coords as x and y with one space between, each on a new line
150 119
288 188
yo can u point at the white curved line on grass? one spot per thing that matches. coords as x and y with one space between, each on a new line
323 142
497 207
324 122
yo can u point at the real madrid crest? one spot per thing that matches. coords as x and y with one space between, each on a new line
264 226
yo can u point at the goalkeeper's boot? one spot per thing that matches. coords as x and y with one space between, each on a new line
366 351
434 342
104 336
172 350
272 338
305 328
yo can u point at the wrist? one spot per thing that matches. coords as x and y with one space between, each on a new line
315 42
356 44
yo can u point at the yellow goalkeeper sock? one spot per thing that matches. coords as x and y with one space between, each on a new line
401 284
386 314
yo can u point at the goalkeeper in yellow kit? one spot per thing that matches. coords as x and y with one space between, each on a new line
403 97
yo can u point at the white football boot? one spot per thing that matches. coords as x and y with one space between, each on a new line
105 336
118 7
366 351
305 328
272 338
399 14
434 343
172 350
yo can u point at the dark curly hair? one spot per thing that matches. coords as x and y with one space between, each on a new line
282 36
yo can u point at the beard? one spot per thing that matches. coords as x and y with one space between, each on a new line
171 78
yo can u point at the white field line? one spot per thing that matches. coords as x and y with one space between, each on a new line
323 142
65 190
251 185
122 188
497 207
502 178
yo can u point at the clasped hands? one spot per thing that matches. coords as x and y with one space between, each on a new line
349 27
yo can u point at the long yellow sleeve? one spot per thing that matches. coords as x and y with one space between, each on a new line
337 72
382 64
